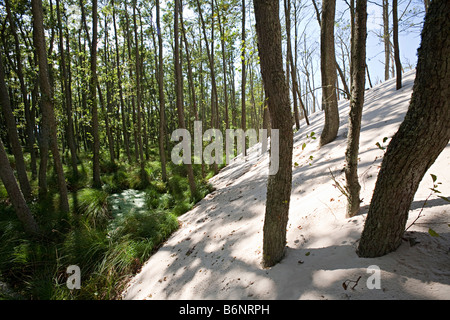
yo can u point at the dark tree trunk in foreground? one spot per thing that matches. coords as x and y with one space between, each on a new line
268 30
329 74
48 123
15 195
358 61
422 136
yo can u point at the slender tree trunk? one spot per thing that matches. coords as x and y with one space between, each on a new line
386 38
398 65
243 78
66 91
16 197
358 62
126 138
224 66
48 123
13 136
161 96
422 136
179 92
96 183
290 58
108 99
28 116
138 95
328 71
268 30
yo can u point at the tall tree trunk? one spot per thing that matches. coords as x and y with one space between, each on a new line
28 114
96 183
126 139
48 124
398 65
66 91
162 108
213 76
108 98
422 136
15 195
290 58
358 62
386 39
138 94
243 78
13 136
224 66
328 71
268 30
179 93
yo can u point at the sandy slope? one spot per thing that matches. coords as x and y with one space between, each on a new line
216 253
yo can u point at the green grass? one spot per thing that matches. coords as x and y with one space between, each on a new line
109 232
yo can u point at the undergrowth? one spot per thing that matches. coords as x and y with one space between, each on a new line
107 249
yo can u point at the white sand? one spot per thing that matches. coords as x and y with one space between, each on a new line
216 254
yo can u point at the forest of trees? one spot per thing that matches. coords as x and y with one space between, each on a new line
91 90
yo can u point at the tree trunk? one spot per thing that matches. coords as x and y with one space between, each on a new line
423 134
358 62
179 93
386 38
162 108
66 91
138 95
96 183
28 114
15 195
13 136
243 78
48 116
268 30
126 139
329 74
398 65
290 58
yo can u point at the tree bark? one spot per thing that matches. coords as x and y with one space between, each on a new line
16 197
49 137
179 93
126 139
329 74
243 78
96 183
66 91
386 39
422 136
268 30
358 62
162 108
398 65
13 136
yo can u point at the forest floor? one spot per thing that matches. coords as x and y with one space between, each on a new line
217 251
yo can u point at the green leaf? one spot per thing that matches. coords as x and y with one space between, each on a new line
433 177
303 146
308 253
433 233
385 139
295 164
444 198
